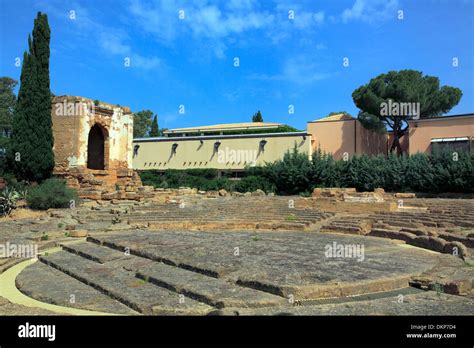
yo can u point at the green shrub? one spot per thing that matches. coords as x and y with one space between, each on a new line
395 167
52 193
295 173
366 173
452 172
13 183
290 175
252 183
419 174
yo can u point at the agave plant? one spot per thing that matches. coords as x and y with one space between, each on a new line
8 199
23 193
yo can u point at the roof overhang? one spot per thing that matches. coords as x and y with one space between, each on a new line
448 140
229 136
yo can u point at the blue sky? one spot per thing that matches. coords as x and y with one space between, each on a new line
190 61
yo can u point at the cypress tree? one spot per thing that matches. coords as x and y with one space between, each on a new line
257 117
32 139
154 131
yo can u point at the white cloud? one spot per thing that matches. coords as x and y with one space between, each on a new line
370 11
216 25
241 4
305 20
295 21
201 19
148 63
299 70
302 70
160 19
112 41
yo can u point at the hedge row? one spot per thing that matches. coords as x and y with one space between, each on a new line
203 179
436 173
296 174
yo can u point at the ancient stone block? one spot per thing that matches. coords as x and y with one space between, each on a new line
258 193
455 248
78 233
405 195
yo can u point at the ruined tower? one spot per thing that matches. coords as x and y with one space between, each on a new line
93 147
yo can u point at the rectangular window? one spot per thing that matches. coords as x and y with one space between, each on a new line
460 145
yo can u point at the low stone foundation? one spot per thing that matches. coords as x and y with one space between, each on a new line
105 184
349 195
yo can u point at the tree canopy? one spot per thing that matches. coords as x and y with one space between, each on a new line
142 123
257 117
391 99
338 113
7 106
154 130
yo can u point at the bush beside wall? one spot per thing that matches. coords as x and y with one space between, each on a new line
51 193
296 174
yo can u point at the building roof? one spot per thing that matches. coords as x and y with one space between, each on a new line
337 117
225 127
221 137
443 118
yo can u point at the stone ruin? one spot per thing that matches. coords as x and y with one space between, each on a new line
349 195
93 148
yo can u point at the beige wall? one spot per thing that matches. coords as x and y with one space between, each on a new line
422 131
345 136
369 142
336 137
235 152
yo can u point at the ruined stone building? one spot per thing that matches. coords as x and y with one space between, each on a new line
93 147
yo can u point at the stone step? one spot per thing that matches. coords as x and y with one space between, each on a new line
346 229
215 292
94 252
123 286
64 290
191 213
221 219
168 254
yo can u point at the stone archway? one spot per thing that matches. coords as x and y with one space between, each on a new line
96 148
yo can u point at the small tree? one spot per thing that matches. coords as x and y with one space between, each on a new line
257 117
383 100
154 131
142 121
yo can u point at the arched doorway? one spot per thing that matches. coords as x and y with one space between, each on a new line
96 148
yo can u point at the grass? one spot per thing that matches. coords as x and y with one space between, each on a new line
290 218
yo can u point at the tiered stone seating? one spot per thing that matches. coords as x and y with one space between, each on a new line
445 226
265 213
